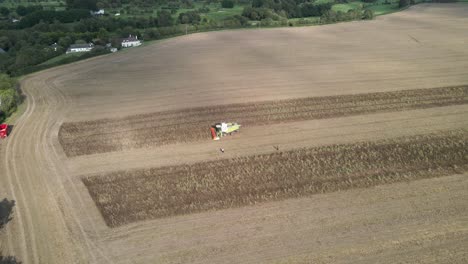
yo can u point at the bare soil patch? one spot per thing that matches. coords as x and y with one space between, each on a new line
127 196
189 125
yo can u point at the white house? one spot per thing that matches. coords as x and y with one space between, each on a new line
80 48
100 12
131 41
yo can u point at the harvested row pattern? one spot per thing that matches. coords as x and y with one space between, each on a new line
128 196
188 125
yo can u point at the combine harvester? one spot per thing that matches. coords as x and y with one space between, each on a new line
3 130
220 130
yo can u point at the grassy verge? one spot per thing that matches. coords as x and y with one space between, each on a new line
20 109
58 59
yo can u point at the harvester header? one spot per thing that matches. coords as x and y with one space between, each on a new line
220 130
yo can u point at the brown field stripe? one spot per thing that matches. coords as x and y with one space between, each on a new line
190 125
127 196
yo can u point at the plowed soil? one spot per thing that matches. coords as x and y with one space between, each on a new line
55 219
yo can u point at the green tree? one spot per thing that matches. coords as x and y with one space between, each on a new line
403 3
4 11
5 42
368 14
82 4
103 34
227 4
65 41
21 10
165 19
190 17
5 82
9 98
151 33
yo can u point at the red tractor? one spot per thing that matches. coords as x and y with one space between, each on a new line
3 130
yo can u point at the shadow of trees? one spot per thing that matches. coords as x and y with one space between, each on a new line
9 260
6 210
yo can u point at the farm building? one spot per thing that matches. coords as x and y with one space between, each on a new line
131 41
99 12
80 48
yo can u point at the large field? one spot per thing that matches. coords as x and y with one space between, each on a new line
354 148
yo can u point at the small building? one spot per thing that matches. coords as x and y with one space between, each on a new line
100 12
117 14
110 48
131 41
2 51
54 46
80 48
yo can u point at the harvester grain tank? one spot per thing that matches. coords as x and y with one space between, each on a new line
3 130
220 130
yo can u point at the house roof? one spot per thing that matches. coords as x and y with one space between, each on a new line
130 39
81 46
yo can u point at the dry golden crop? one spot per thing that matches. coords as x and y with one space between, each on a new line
188 125
128 196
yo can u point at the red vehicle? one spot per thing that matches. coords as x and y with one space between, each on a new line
3 130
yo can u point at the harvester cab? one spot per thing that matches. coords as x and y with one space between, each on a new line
220 130
3 130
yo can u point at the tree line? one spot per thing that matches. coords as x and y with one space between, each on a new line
27 44
9 100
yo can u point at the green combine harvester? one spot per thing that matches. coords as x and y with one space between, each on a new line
220 130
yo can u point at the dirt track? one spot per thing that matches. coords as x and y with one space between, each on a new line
423 221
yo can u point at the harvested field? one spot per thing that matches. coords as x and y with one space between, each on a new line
189 125
56 219
128 196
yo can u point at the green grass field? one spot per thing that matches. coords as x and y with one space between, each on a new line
346 7
216 11
384 9
222 13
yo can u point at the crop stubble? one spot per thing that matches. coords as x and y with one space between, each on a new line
128 196
189 125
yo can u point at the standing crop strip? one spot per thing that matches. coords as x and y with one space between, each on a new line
127 196
189 125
